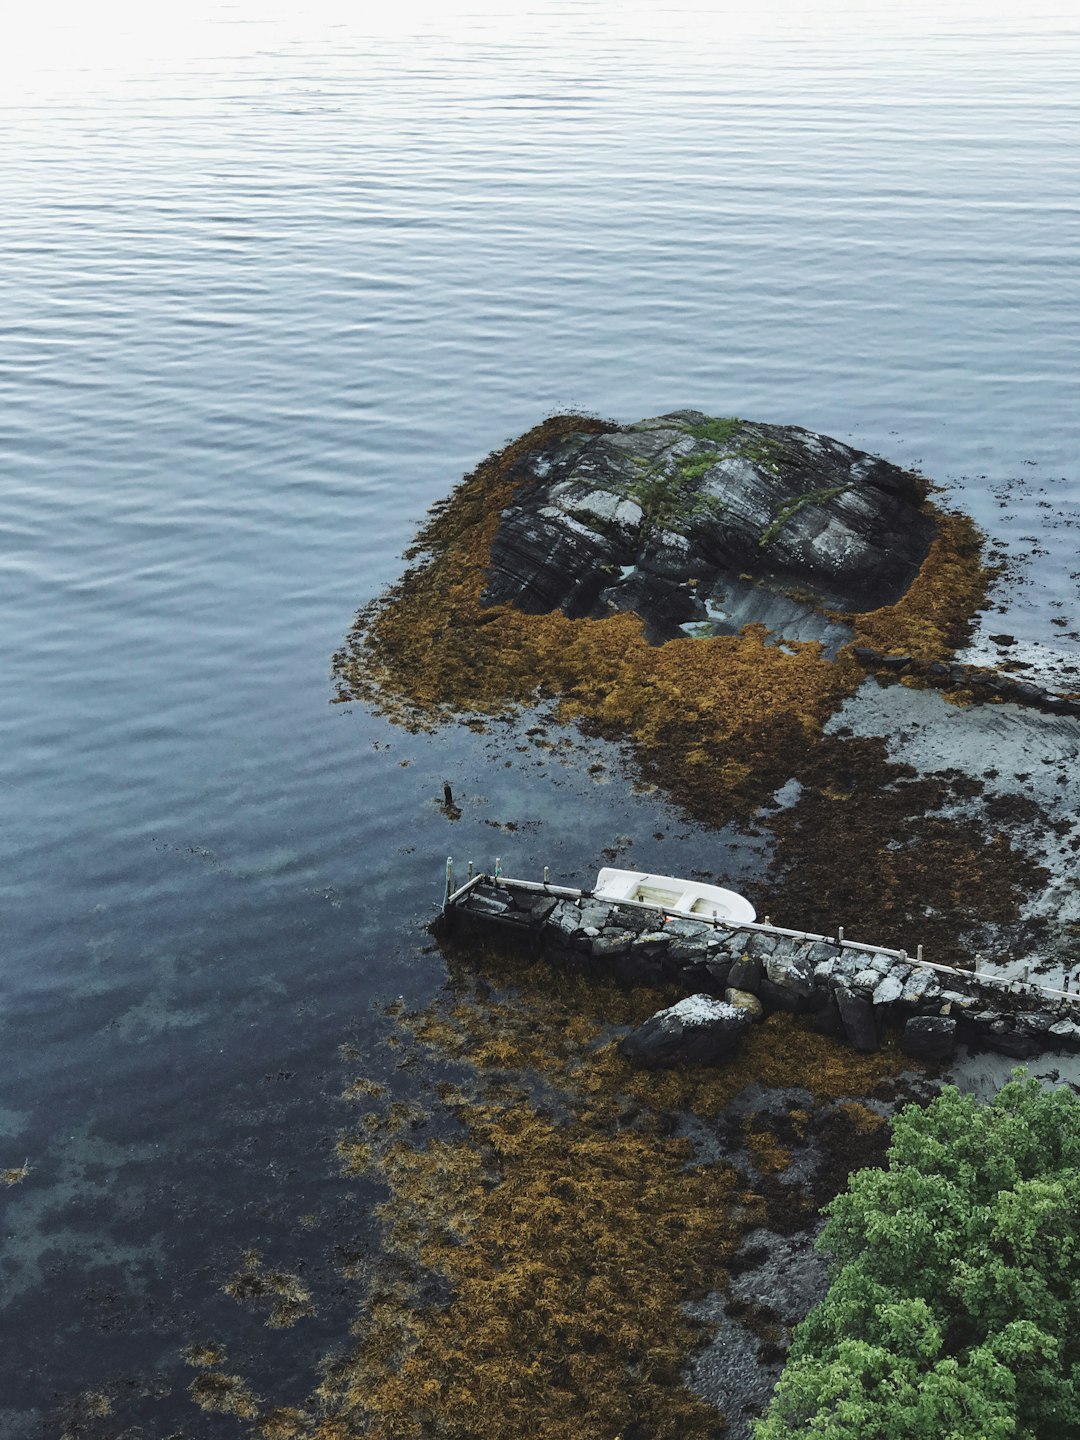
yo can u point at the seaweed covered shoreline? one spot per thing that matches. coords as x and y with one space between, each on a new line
721 723
718 722
560 1231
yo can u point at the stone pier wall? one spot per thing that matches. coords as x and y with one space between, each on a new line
850 993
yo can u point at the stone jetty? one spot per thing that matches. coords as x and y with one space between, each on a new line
851 990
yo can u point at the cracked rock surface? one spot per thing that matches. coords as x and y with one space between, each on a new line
689 520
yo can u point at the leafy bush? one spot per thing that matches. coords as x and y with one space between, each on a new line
954 1309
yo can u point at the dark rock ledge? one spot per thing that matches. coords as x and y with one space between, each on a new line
687 519
980 681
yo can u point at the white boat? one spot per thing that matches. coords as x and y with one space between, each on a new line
679 897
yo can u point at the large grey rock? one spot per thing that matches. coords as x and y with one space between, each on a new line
820 952
689 948
698 1029
793 972
833 969
776 524
610 943
653 942
857 1014
564 921
1065 1034
930 1037
719 969
594 914
695 930
1001 1037
538 907
761 944
787 982
959 1003
888 990
866 981
743 1000
1034 1022
921 988
745 974
490 906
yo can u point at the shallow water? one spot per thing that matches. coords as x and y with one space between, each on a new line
270 283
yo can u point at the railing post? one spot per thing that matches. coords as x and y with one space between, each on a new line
498 869
449 880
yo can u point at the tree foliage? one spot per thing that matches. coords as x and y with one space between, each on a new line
954 1308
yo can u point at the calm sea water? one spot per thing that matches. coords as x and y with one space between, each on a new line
269 283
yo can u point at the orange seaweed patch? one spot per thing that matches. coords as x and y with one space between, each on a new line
934 616
717 721
566 1225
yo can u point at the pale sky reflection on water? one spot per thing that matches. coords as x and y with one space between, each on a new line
65 45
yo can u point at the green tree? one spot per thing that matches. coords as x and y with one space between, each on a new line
954 1306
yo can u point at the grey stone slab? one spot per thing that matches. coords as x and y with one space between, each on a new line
698 1029
857 1014
745 974
610 943
930 1037
921 987
888 991
865 980
596 914
564 920
761 944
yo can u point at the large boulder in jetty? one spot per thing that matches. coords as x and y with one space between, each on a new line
698 1029
857 1015
688 519
929 1037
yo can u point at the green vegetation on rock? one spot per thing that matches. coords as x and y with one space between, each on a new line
954 1310
719 429
792 507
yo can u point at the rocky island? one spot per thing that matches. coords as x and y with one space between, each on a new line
688 520
773 623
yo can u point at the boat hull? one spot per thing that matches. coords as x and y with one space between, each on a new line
675 896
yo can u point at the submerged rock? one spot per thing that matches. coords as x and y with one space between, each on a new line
697 1029
689 519
930 1037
